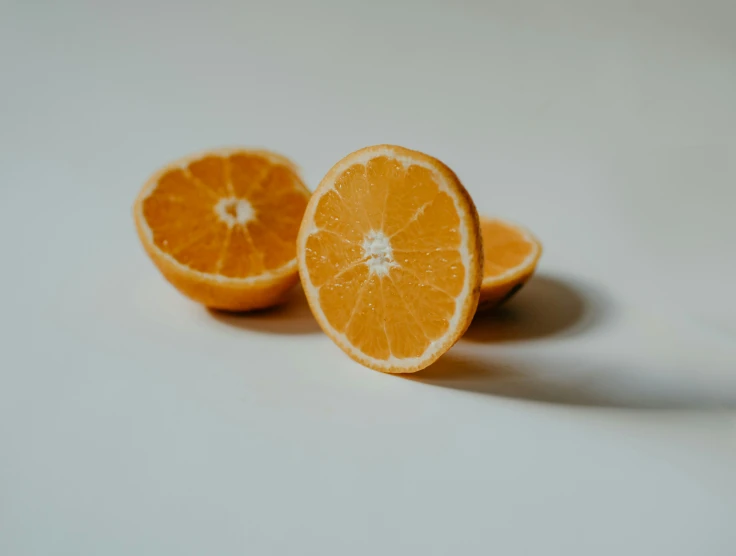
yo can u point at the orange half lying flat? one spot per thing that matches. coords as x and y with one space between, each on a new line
221 226
390 257
510 258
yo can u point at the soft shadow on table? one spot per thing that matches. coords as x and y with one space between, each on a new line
554 307
546 306
291 317
576 383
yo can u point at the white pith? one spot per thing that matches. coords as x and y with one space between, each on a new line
234 211
377 250
467 258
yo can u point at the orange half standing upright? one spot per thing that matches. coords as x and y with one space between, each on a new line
390 257
221 226
511 254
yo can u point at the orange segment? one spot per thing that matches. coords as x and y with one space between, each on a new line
276 251
352 187
241 258
211 172
248 171
442 269
178 184
329 254
339 296
511 254
366 329
334 217
204 252
405 202
390 257
431 307
404 327
383 175
433 226
222 226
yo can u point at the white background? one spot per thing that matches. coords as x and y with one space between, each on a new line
595 415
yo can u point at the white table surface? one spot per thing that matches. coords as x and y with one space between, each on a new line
595 416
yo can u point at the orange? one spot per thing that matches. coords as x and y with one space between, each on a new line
510 254
390 257
221 226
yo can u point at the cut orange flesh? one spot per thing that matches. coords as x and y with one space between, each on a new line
222 225
510 254
390 257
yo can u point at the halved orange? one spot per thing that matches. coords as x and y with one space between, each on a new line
390 257
221 226
510 254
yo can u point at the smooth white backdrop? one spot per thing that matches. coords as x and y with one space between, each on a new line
594 416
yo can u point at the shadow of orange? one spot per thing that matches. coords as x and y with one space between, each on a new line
585 382
546 306
292 317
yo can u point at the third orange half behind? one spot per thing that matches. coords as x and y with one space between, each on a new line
511 254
